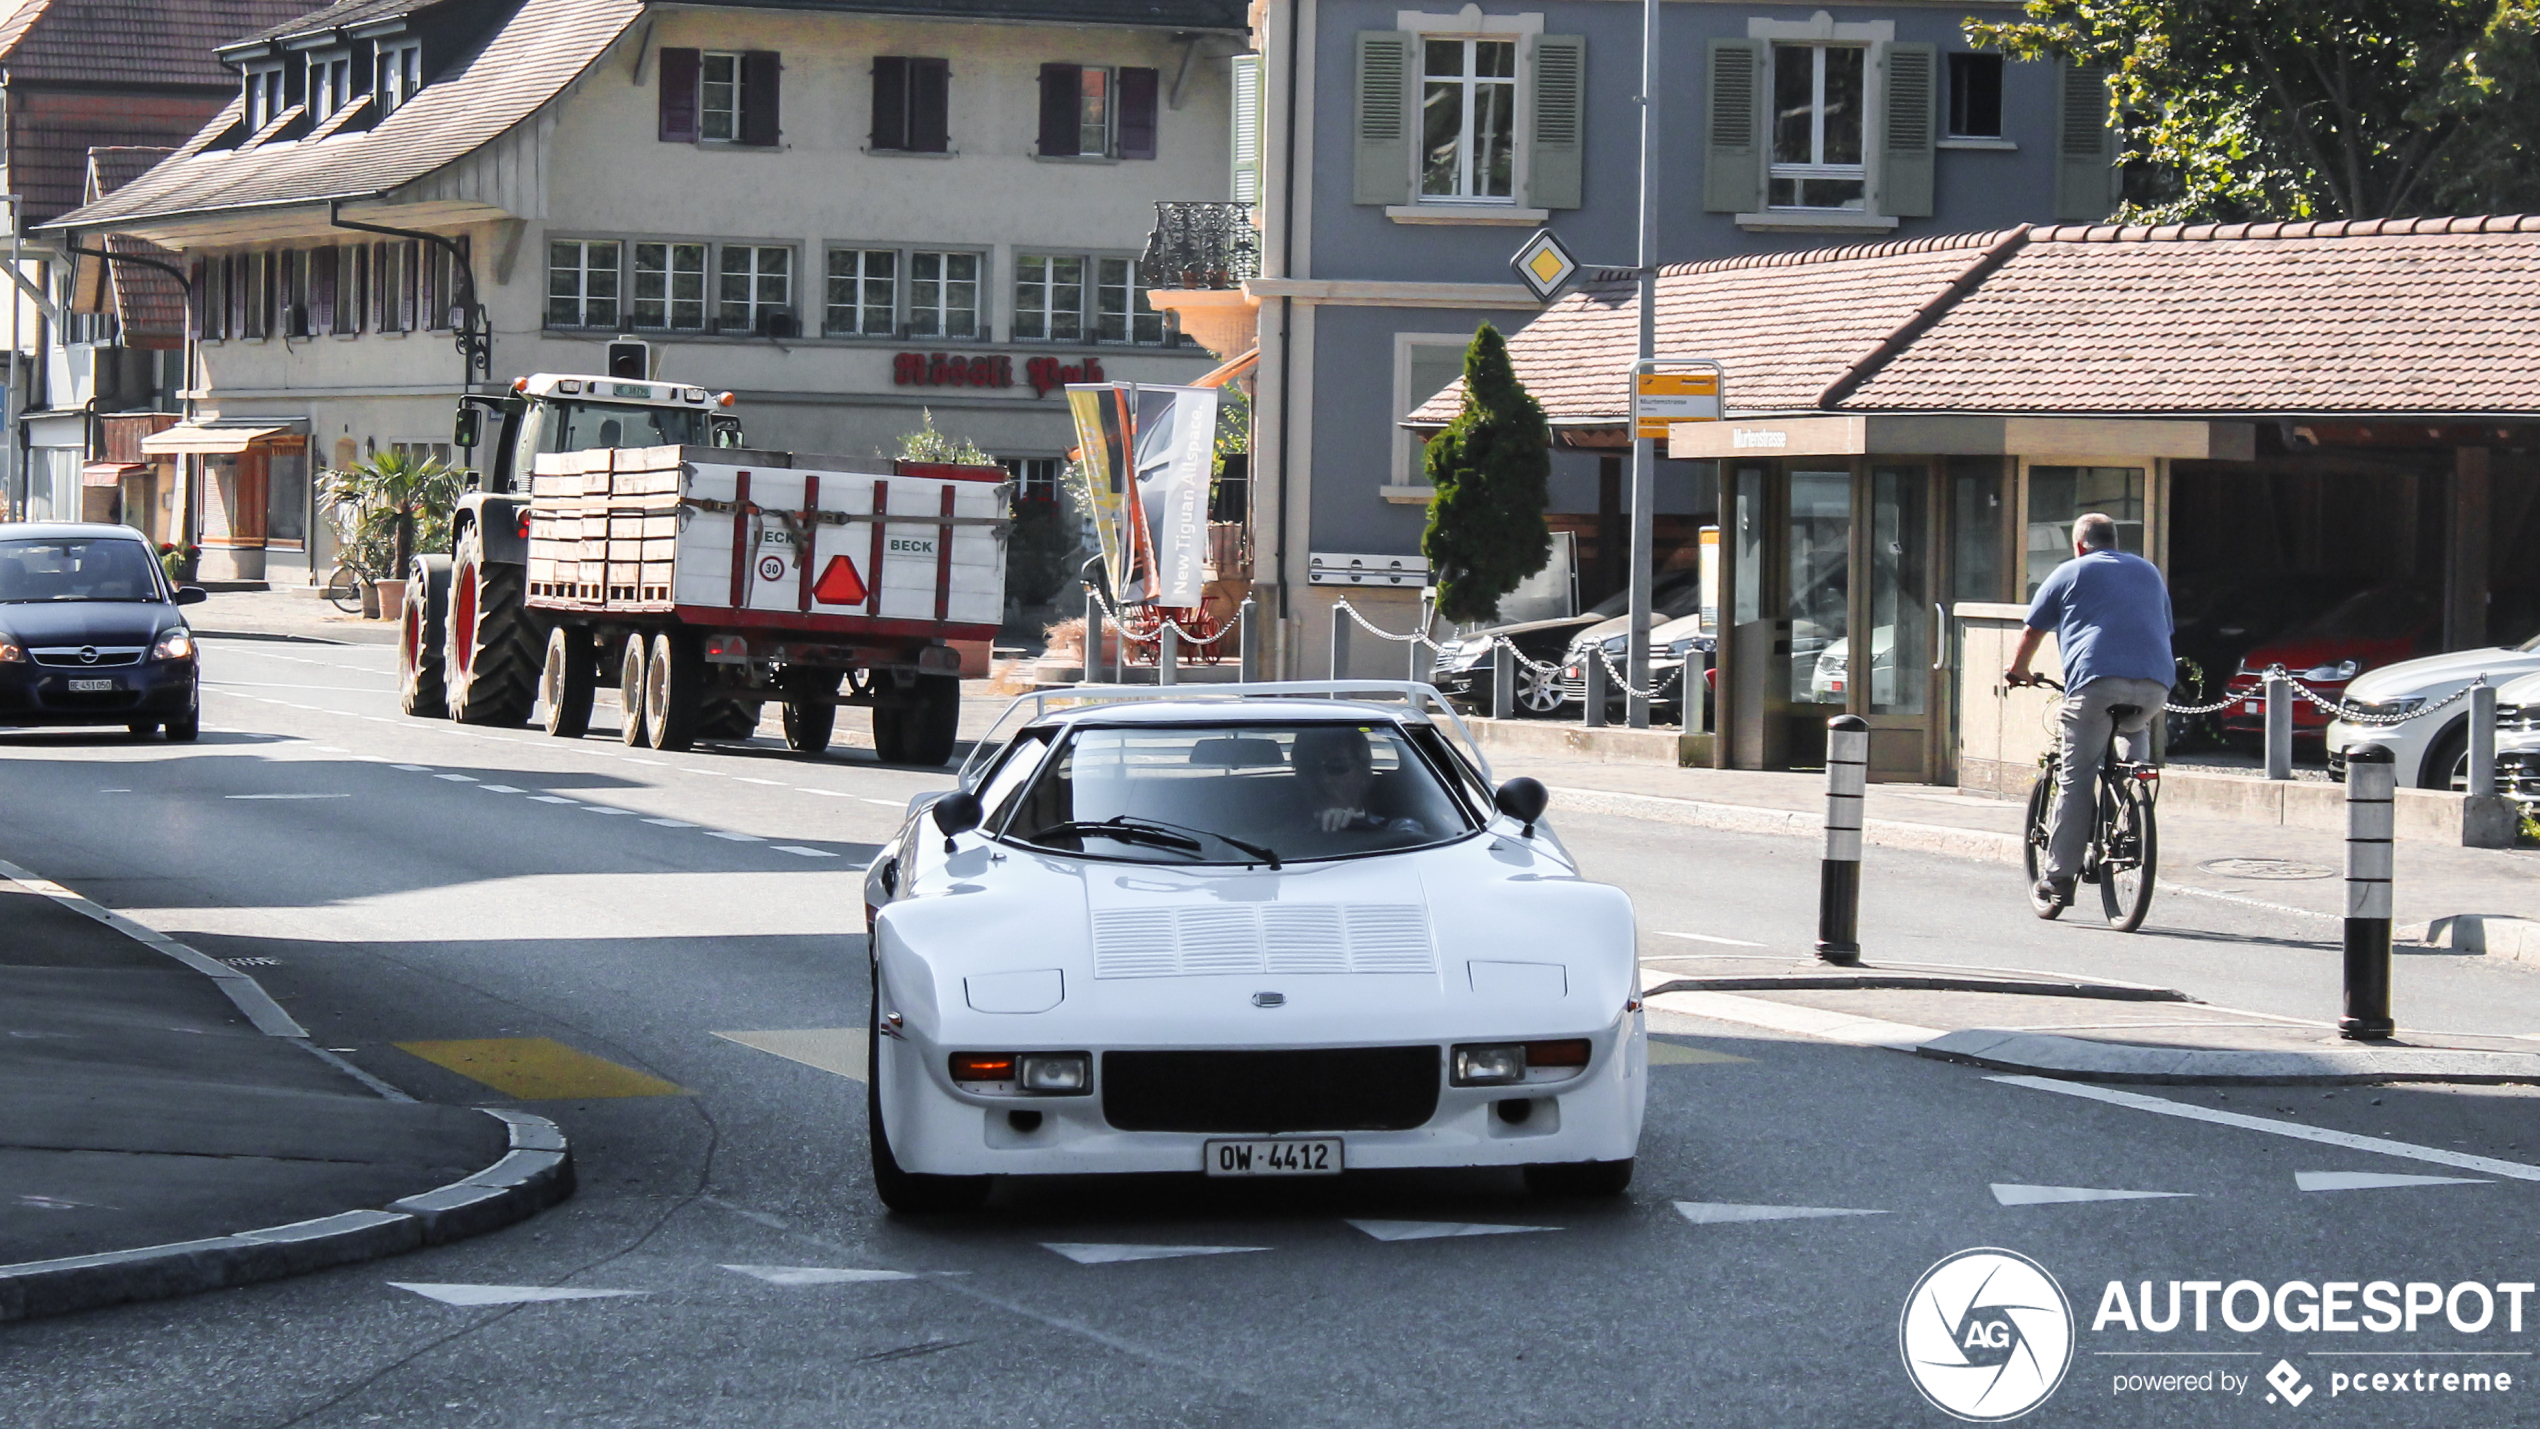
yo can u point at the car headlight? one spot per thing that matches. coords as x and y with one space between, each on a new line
11 652
176 644
1617 644
1057 1073
2339 670
2391 709
1509 1063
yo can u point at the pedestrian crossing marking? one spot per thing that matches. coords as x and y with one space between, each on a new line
2016 1195
540 1069
2375 1180
817 1274
1676 1054
839 1051
1718 1213
1084 1254
1438 1230
473 1295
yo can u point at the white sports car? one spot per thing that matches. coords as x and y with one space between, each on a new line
1261 930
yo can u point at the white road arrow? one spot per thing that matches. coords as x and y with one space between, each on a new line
1084 1254
816 1274
505 1294
2057 1195
2374 1180
1438 1230
1716 1213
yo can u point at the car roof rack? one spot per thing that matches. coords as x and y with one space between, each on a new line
1419 699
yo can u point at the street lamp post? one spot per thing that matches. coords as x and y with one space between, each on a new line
1644 450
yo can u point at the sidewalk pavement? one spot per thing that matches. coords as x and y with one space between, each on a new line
170 1129
285 615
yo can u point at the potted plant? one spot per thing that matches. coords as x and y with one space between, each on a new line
399 505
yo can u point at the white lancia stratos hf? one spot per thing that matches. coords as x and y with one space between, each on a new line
1250 930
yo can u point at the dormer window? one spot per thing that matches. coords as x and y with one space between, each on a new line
265 100
330 83
400 73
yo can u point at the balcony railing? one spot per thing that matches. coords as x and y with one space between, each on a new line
1201 245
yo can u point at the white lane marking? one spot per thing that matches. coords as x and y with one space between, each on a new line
1084 1254
2014 1195
277 685
818 1274
629 758
413 768
1789 1017
771 783
1709 938
885 803
736 838
471 1295
672 823
2380 1145
2375 1180
1721 1213
604 809
1438 1230
498 788
330 749
114 791
824 793
798 849
457 778
550 799
286 796
383 719
839 1051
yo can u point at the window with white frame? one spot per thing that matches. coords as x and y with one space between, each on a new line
1036 478
754 289
943 295
330 83
1120 310
719 97
264 96
864 290
1093 110
400 74
1468 119
1818 101
582 283
1049 298
668 289
1425 364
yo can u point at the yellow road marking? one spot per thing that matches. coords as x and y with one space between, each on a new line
540 1069
1673 1054
839 1051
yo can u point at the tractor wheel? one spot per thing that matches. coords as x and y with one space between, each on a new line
674 690
495 649
567 682
421 691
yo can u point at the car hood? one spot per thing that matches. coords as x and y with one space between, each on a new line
87 622
1487 937
1531 627
2524 691
2442 674
2299 655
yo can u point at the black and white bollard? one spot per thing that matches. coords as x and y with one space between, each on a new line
1839 878
1093 636
2481 782
1247 644
1503 679
2279 687
1592 687
2370 824
1168 652
1340 640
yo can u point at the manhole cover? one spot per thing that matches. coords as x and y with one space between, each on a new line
2279 869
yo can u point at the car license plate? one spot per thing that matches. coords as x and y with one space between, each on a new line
1284 1156
2252 707
93 687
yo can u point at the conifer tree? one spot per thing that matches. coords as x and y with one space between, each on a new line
1492 469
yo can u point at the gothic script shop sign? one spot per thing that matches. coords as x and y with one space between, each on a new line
954 369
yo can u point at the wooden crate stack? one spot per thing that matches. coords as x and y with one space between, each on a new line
604 528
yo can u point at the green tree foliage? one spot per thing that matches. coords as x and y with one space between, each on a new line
1492 468
389 506
929 445
2295 109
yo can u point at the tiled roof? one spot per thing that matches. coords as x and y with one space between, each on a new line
518 68
148 302
1174 14
2434 316
329 17
165 42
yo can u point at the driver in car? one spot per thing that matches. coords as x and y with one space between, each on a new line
1338 771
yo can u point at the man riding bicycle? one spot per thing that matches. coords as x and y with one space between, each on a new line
2111 616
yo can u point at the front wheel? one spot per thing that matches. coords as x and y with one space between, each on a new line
2041 812
494 647
2126 867
907 1192
1580 1178
186 728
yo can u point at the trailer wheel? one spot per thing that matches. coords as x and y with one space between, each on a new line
810 718
630 691
421 691
567 681
727 717
492 666
923 722
674 690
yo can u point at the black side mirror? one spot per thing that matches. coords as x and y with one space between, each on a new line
1522 799
956 813
468 429
192 595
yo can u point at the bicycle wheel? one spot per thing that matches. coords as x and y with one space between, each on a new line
2129 855
344 589
2041 813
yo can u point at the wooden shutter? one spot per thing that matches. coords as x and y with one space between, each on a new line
462 283
2085 146
1137 113
428 283
321 291
930 106
1388 81
679 70
197 294
1061 86
407 255
1244 162
1559 130
1734 144
890 102
383 313
762 85
1912 124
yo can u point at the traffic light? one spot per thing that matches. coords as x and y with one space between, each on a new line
630 358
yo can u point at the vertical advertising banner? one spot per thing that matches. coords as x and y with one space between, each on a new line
1149 453
1102 439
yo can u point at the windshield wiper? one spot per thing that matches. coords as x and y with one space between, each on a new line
1153 832
1266 855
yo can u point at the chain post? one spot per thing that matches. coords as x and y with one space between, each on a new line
1247 644
2371 820
1592 680
1093 635
2482 739
1503 679
1340 639
1168 653
1839 875
2279 723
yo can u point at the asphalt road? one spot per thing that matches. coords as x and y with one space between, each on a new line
662 918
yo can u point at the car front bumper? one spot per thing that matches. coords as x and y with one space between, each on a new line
35 694
937 1129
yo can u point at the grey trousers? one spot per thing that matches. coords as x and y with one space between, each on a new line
2087 728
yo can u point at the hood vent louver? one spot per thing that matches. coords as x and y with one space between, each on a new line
1268 938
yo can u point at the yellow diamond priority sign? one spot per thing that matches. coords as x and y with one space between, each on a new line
1544 265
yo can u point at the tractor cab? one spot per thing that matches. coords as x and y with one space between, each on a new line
547 412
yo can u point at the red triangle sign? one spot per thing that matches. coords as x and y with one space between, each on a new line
839 584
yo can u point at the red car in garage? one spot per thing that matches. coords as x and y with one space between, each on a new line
2367 629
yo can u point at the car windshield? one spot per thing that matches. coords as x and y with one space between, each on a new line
1233 793
76 568
583 426
2383 613
1674 595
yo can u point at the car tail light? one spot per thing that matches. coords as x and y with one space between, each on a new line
1568 1052
983 1066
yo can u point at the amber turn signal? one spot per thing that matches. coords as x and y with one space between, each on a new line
983 1066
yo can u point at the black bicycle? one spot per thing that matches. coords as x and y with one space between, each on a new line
2125 839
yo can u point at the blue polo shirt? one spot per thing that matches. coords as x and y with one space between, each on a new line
2111 616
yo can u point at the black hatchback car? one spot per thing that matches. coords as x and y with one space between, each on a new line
90 634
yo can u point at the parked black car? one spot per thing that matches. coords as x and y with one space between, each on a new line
90 633
1463 671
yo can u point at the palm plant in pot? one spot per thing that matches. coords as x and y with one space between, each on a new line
394 505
